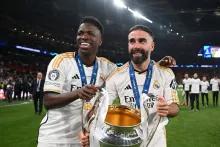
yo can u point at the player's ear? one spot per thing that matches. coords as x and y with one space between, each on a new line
100 42
152 45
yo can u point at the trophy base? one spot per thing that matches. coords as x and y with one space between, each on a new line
103 144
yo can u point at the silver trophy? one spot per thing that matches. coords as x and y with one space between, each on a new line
122 126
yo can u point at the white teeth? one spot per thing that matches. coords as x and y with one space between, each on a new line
85 44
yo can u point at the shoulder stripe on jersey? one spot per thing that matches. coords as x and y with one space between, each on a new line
60 58
101 59
53 90
118 70
165 68
63 55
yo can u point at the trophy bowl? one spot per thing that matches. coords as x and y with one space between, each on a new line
122 127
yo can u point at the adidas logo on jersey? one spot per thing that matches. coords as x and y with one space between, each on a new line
127 87
75 77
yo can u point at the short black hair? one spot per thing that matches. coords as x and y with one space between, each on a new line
142 28
94 21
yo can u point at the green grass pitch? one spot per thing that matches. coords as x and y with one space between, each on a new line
19 126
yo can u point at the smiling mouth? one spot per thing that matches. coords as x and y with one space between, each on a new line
137 54
84 45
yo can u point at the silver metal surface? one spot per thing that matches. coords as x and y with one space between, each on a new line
156 122
121 136
91 114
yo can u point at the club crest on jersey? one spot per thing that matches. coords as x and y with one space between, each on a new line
53 75
156 84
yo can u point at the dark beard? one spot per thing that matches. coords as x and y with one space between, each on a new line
141 59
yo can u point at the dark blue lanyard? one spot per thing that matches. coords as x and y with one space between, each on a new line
82 71
146 83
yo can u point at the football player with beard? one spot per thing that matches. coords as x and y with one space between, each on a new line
142 75
72 79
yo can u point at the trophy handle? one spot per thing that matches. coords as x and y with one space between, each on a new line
156 124
82 125
151 134
92 113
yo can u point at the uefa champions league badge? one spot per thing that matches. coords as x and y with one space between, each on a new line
87 106
54 75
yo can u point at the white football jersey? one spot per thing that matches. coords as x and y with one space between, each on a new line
162 84
62 125
186 83
195 85
215 84
205 86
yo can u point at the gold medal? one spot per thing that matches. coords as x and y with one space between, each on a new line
87 106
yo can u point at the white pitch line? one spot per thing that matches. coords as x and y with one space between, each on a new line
16 104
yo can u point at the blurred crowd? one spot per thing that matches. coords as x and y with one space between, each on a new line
17 73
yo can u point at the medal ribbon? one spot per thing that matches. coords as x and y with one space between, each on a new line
82 71
146 83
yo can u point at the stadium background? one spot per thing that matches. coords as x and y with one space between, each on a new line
45 28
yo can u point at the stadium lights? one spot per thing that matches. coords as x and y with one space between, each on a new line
120 4
146 19
138 15
27 49
177 33
129 9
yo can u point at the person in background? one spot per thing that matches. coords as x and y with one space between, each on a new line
204 91
21 88
214 84
38 93
184 98
25 86
17 90
186 83
2 85
9 89
195 90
